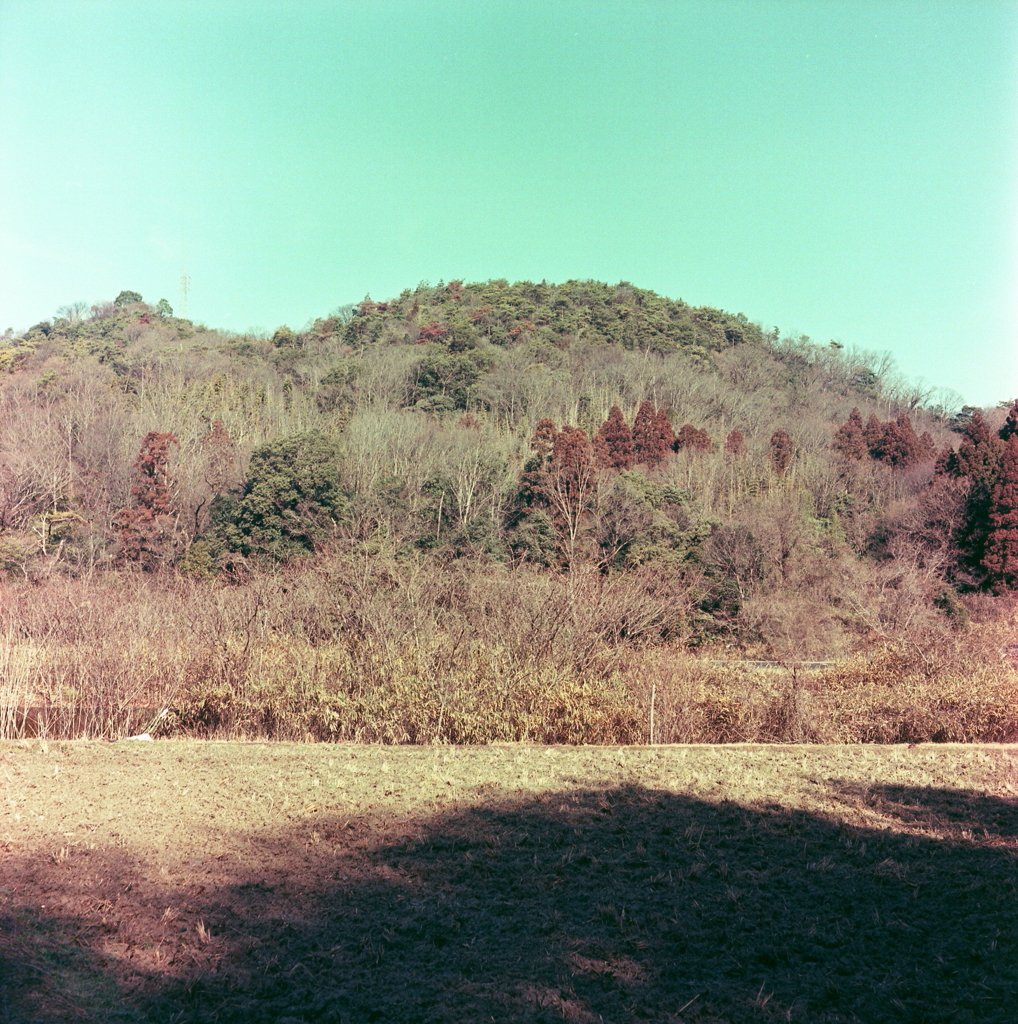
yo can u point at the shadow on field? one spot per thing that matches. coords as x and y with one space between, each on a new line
621 906
953 812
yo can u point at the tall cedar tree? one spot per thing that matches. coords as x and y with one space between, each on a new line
692 439
911 447
978 460
873 434
735 443
647 440
570 484
220 470
534 481
899 446
1010 427
613 445
980 453
1001 553
666 436
849 438
781 452
946 464
145 525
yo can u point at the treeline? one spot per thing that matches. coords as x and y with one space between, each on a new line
775 494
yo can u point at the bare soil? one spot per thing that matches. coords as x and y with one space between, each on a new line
227 882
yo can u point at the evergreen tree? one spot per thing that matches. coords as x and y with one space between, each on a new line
291 501
221 457
849 438
873 435
1000 559
899 446
781 452
946 463
692 439
647 440
980 453
735 443
666 436
978 461
146 524
535 479
613 444
1010 427
570 486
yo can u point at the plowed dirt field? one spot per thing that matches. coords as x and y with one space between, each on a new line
228 882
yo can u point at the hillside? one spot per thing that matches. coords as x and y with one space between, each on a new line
675 478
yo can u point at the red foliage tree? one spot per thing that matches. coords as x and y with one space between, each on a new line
911 450
534 482
781 452
1010 427
899 446
613 444
927 447
873 435
666 436
692 439
849 438
946 463
735 443
431 332
1000 559
561 477
146 524
647 440
570 485
980 453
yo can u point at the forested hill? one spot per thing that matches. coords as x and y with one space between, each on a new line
462 316
532 427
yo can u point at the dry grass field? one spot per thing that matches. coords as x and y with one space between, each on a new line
249 882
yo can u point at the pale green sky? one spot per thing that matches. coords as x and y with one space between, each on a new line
844 169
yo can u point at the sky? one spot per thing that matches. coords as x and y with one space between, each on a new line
843 169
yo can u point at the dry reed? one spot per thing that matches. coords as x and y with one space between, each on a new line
381 651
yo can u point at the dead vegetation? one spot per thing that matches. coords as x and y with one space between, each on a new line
371 650
374 652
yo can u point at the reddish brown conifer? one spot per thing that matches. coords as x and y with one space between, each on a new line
849 438
666 436
647 436
146 524
613 444
571 481
1001 554
781 452
911 448
873 434
692 439
1010 427
927 447
947 462
735 443
534 481
980 453
221 455
899 446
